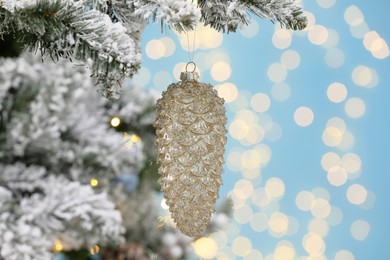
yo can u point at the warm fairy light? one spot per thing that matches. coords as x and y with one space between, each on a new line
353 16
278 224
115 121
284 252
243 188
260 102
94 182
320 208
94 250
58 247
356 194
220 71
355 107
131 139
155 49
319 227
290 59
313 244
164 204
205 247
228 91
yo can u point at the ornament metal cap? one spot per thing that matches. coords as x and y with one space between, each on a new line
189 75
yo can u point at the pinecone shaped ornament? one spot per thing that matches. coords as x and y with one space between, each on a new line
190 129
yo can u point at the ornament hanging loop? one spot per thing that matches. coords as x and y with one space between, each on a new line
191 63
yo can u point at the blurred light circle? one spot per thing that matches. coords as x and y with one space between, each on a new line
329 160
259 222
241 246
278 223
337 92
281 91
326 3
243 188
284 252
290 59
155 49
333 39
353 15
320 208
142 78
351 162
253 254
360 229
281 39
319 227
243 214
250 30
303 116
364 76
260 102
344 255
228 91
334 58
169 46
205 247
335 217
337 176
220 71
274 188
358 31
356 194
304 200
355 107
313 244
276 72
318 35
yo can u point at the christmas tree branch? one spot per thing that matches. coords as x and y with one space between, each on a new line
227 15
179 15
66 29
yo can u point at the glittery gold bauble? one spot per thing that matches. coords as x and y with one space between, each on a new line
191 132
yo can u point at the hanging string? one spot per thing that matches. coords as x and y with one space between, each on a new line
189 49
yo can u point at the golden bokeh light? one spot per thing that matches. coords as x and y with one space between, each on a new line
281 91
326 3
320 208
329 160
276 72
337 176
220 71
278 224
364 76
259 222
313 244
355 107
360 229
337 92
169 46
304 200
260 102
260 198
58 247
282 38
351 162
303 116
155 49
290 59
241 246
243 188
243 214
228 91
356 194
318 35
94 182
250 30
335 217
333 39
334 58
344 255
115 121
376 45
205 247
319 227
251 159
353 16
284 252
254 254
274 188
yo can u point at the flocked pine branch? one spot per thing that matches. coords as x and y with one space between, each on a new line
226 16
106 34
67 29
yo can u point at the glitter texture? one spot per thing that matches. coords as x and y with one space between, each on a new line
190 129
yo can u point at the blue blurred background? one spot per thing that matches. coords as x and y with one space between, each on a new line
308 119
